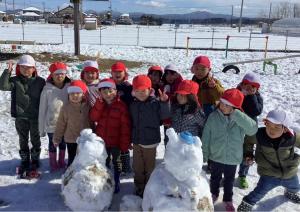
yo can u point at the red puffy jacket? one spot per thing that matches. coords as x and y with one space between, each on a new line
113 123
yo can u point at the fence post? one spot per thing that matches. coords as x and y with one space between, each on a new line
138 36
286 40
23 31
187 46
227 45
175 37
250 39
62 33
100 35
212 37
266 47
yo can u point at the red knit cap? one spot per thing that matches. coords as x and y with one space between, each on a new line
141 82
77 86
118 66
58 67
203 60
233 97
187 87
251 79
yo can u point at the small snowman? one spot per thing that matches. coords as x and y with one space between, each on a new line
178 184
87 184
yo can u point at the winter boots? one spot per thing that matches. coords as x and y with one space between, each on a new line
61 159
243 182
244 207
54 164
125 160
25 163
294 197
35 158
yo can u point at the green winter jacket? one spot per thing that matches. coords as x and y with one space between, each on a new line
282 162
25 94
223 136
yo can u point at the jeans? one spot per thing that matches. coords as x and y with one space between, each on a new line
244 168
113 152
267 183
217 169
52 148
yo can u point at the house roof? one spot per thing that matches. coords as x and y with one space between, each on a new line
30 14
31 9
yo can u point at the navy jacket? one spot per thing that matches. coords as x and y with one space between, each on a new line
146 118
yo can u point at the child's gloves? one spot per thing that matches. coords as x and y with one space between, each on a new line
10 66
249 161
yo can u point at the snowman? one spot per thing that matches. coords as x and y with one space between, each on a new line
178 184
87 184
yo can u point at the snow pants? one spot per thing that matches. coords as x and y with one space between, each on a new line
72 148
26 127
143 165
217 169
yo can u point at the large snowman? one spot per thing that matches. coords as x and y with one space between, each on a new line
178 184
87 184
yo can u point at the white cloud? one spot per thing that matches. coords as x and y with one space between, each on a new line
151 3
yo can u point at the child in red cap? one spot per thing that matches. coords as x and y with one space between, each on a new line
155 74
112 121
119 75
146 114
276 158
222 140
73 118
187 114
253 107
53 97
90 75
210 89
26 88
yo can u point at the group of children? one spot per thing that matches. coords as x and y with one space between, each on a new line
129 117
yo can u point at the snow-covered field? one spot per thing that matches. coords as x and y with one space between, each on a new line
279 91
162 36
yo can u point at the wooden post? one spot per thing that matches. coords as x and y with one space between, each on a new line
227 44
266 47
76 26
187 46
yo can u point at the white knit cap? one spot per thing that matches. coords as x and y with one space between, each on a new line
171 67
26 60
74 89
90 63
252 77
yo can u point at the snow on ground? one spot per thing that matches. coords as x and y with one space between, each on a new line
279 91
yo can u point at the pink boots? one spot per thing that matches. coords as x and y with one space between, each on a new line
54 164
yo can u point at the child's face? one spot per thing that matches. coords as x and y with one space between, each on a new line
200 71
181 98
248 89
27 71
108 94
171 76
75 97
58 78
155 77
142 95
90 76
226 109
118 76
274 130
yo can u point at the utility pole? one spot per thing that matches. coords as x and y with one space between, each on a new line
270 11
241 15
231 18
44 8
294 10
76 26
5 7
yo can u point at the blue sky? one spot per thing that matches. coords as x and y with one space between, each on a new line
251 7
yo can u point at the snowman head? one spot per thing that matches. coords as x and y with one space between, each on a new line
90 148
183 157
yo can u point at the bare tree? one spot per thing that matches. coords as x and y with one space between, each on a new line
262 14
297 10
283 10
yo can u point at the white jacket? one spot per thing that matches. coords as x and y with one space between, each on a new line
52 99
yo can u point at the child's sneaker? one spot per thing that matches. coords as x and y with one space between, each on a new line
243 182
244 207
294 197
229 207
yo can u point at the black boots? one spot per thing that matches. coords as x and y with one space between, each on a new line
125 160
117 180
